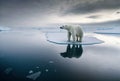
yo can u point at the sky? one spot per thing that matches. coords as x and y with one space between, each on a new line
26 13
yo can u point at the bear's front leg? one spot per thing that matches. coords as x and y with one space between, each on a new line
69 36
73 36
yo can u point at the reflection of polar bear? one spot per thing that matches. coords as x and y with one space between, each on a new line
75 31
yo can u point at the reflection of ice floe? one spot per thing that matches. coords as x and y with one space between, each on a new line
61 38
72 51
115 30
8 70
34 76
4 28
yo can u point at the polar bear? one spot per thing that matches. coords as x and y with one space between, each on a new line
75 31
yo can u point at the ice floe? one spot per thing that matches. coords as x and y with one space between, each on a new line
111 30
61 38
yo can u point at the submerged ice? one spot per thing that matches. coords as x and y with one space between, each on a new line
8 70
34 76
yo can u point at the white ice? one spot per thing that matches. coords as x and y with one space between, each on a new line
31 71
34 76
46 70
61 38
111 30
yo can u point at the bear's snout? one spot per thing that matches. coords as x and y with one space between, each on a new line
61 27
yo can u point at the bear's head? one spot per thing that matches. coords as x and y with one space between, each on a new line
66 27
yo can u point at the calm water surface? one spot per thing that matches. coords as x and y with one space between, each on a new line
25 52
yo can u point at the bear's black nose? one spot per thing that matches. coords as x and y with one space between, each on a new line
61 27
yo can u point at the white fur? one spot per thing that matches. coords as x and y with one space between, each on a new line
75 31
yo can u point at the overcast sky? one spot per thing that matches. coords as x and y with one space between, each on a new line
45 12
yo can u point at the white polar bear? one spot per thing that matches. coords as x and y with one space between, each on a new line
75 31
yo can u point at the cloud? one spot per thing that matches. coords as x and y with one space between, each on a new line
93 6
108 23
42 12
59 7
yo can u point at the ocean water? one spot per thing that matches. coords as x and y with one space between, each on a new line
26 55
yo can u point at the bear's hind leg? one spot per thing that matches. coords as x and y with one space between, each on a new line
77 38
80 39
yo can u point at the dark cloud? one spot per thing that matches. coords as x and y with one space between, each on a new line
60 7
19 11
108 23
93 6
118 12
94 16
